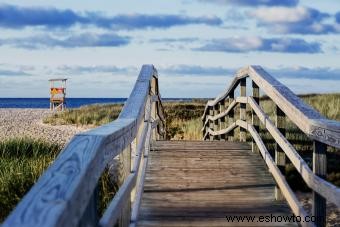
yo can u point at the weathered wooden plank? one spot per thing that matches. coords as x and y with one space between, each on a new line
190 183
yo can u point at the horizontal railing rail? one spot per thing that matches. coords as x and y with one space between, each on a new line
219 123
67 193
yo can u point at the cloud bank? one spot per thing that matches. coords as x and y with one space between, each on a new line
16 17
71 41
298 20
249 44
254 3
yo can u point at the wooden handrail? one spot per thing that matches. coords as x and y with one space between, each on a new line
312 123
63 195
329 191
315 126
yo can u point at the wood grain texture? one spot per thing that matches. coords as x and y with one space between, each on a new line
328 190
321 186
320 169
254 118
280 156
312 123
64 191
276 173
198 183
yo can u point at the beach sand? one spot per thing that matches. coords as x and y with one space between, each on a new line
18 122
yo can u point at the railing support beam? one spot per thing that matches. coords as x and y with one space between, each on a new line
211 123
231 115
255 118
320 169
216 122
243 84
124 171
221 121
280 156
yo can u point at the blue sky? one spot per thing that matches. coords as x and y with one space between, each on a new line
196 45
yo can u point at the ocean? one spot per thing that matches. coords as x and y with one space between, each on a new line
70 102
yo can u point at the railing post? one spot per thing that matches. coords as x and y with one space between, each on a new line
231 115
255 118
204 126
280 156
222 119
124 171
211 123
216 108
243 109
320 169
90 216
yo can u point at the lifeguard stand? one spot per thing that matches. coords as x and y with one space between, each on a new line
58 94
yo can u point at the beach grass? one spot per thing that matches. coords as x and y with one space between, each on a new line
91 115
22 160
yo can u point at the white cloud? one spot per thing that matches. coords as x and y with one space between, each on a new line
281 14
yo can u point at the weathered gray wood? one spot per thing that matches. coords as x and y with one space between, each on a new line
140 189
276 173
255 118
221 120
216 112
90 217
329 191
63 193
307 119
243 91
124 169
187 186
231 115
117 204
280 157
211 123
324 188
320 169
231 106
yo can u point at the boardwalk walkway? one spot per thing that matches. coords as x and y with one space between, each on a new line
196 183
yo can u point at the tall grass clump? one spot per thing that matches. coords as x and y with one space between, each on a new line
183 120
22 161
92 115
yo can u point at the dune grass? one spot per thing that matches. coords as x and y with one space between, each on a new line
92 115
23 160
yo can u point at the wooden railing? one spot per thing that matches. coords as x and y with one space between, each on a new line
67 193
219 122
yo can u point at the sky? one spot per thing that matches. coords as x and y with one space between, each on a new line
196 45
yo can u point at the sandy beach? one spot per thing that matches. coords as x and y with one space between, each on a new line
18 122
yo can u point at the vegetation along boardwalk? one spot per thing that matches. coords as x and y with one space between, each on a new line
232 173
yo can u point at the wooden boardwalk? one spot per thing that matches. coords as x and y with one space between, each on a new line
196 183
